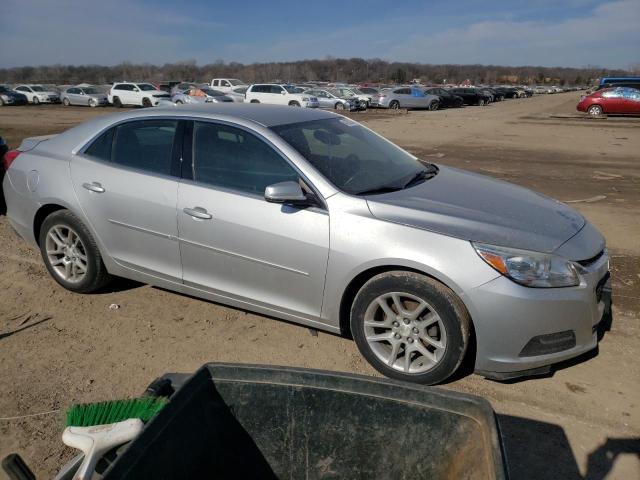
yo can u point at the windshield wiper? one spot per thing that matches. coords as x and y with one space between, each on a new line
383 189
425 174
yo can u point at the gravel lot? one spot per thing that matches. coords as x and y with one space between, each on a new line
58 348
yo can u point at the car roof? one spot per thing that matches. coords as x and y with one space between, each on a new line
263 114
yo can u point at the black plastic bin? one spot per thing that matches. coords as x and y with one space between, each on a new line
244 422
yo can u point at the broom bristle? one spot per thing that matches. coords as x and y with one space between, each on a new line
101 413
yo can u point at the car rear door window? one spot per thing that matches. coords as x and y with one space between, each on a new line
145 145
232 158
101 146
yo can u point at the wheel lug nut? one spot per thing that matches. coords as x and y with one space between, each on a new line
397 335
395 324
410 340
407 321
415 330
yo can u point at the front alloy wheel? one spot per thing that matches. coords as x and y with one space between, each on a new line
410 327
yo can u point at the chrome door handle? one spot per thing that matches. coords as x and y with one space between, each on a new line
93 187
197 212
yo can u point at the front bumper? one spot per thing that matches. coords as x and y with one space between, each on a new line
49 99
509 317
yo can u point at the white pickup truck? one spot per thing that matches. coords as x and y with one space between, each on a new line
226 84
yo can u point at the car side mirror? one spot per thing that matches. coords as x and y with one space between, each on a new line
286 192
136 89
283 92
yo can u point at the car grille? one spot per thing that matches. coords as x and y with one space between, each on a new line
592 260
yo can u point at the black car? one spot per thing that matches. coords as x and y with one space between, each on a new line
447 99
496 96
472 96
11 97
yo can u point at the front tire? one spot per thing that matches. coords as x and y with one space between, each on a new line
70 253
36 101
410 327
146 103
434 106
394 105
66 102
254 101
339 106
481 102
294 104
595 110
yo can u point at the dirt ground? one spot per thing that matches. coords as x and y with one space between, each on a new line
58 348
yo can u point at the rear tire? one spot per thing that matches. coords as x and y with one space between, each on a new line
481 102
36 101
434 106
410 327
394 105
339 106
65 241
595 110
254 101
178 102
116 102
1 102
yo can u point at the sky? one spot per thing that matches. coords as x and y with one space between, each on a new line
571 33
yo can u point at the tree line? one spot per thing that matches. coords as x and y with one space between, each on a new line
348 70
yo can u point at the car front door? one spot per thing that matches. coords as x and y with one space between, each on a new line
127 182
74 96
234 244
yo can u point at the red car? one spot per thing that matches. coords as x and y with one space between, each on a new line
621 100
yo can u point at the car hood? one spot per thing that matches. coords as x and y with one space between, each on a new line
481 209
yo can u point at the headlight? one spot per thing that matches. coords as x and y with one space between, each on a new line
531 269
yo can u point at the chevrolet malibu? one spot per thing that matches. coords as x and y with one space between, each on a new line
310 217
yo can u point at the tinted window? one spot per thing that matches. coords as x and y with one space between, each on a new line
276 89
123 87
145 145
231 158
22 89
101 146
73 90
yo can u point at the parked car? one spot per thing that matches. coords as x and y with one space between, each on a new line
9 96
308 216
346 92
200 95
373 93
85 96
226 84
607 82
139 94
494 95
447 99
617 100
330 98
471 96
407 97
541 90
238 93
276 94
37 94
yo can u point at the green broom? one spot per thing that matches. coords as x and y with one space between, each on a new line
95 428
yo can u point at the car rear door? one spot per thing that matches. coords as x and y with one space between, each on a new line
126 182
631 97
233 243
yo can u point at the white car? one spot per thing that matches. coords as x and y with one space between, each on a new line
226 84
139 94
354 92
275 94
37 94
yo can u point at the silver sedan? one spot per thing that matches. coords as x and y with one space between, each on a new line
85 96
310 217
407 97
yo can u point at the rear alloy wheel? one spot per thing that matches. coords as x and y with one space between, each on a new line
294 104
146 103
595 110
394 105
70 253
410 327
116 102
66 102
339 106
434 106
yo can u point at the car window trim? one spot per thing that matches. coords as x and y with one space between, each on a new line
175 152
191 147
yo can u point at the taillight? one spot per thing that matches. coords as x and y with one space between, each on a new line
9 157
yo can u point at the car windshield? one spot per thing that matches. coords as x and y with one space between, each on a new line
353 158
37 88
145 87
235 81
90 90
